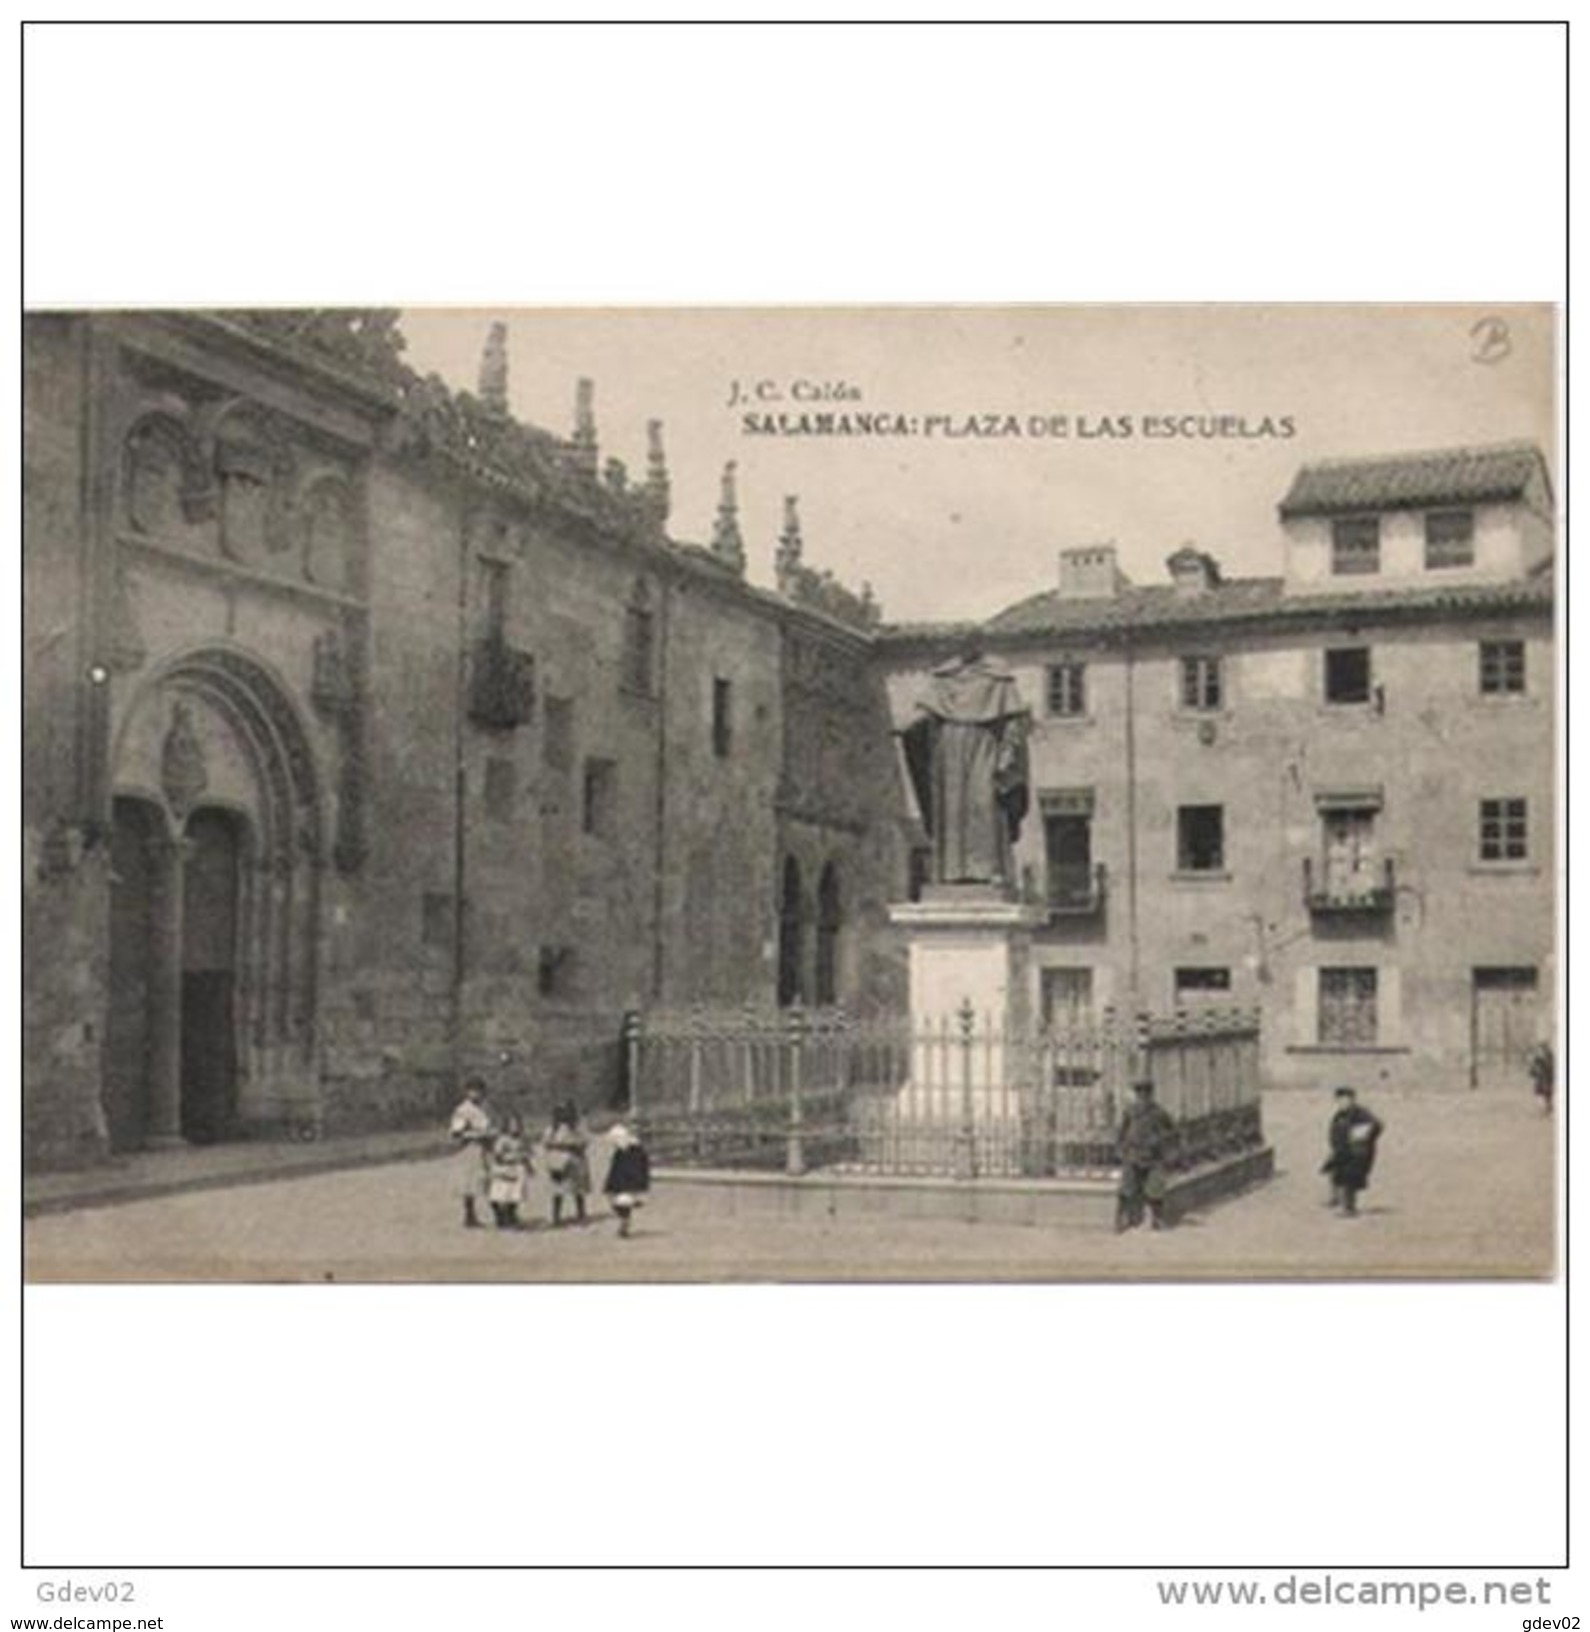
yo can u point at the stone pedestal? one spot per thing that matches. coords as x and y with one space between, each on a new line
968 945
970 951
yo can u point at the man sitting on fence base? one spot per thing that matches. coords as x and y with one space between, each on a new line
1146 1141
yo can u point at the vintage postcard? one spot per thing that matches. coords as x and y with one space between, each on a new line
965 793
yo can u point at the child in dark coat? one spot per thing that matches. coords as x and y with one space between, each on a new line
628 1175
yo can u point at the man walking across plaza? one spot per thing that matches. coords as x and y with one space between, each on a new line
1354 1133
1146 1142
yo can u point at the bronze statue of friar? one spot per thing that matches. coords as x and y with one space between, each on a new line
967 758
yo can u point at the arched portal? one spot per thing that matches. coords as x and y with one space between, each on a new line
215 907
791 935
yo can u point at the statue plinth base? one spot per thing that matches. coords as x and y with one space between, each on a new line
970 954
968 944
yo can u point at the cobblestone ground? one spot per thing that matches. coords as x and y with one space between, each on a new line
1465 1186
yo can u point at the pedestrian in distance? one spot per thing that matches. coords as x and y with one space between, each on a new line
507 1170
471 1131
628 1175
568 1166
1146 1142
1543 1074
1353 1134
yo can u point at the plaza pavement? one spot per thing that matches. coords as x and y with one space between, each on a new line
1465 1186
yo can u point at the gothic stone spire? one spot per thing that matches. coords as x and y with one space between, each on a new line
727 543
494 369
584 440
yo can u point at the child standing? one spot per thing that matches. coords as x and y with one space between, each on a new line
568 1166
628 1175
507 1168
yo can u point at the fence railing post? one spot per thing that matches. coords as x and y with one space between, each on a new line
632 1030
794 1145
966 1155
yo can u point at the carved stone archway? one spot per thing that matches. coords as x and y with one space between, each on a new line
214 733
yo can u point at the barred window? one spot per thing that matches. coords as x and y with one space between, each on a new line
1067 688
1200 683
1348 1007
1449 539
1355 545
1501 667
1504 829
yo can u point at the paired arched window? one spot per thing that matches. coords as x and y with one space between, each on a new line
793 920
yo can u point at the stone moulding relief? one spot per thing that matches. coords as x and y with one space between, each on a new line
237 470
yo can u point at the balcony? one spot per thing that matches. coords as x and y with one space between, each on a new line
1369 888
502 685
1073 891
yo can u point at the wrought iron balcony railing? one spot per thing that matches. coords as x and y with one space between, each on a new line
1367 889
502 685
1075 891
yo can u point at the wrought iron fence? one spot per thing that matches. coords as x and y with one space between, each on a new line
795 1090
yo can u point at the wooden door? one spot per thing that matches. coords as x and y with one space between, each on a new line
1505 1022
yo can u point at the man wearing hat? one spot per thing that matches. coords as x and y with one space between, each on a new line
1354 1132
1146 1141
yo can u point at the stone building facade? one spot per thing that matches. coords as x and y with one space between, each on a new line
1328 794
374 737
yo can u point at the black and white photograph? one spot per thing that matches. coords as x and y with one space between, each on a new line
792 825
1066 795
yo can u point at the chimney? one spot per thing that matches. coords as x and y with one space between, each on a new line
727 544
1089 572
657 490
787 560
494 370
584 439
1192 570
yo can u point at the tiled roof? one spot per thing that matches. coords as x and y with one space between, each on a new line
1442 476
1237 601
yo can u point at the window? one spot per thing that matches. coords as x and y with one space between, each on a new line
1193 985
1068 854
1448 539
722 718
1200 839
1504 830
1066 994
1501 667
1200 683
1350 861
601 792
1355 545
1067 688
1348 1016
1347 675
